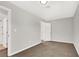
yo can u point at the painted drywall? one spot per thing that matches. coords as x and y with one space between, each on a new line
62 30
25 29
76 30
55 9
2 11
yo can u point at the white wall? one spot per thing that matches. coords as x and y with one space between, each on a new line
76 30
25 29
4 12
62 30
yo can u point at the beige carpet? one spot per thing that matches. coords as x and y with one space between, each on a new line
50 49
3 53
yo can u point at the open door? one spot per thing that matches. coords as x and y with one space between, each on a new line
45 31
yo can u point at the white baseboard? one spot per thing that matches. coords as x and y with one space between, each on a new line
63 41
23 49
77 48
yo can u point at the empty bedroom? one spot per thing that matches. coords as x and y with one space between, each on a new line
39 28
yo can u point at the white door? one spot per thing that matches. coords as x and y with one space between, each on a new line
45 31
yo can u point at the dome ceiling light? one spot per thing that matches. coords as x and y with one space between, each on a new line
44 4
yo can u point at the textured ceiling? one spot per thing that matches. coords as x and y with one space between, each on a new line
54 10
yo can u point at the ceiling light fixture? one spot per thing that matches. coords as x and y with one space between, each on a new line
44 2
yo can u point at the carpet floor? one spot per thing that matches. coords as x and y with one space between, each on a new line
3 53
49 49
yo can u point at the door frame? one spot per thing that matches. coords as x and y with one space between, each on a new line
9 28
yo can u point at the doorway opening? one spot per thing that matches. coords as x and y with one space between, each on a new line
5 28
3 31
